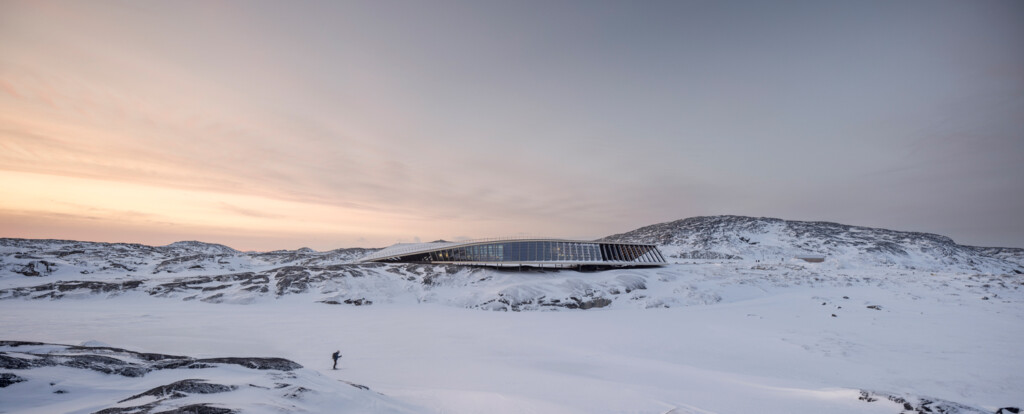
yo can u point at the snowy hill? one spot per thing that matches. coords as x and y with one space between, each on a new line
715 238
72 259
775 240
197 247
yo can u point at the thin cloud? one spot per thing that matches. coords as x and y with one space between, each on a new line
249 212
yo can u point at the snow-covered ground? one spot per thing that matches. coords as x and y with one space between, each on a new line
890 322
735 338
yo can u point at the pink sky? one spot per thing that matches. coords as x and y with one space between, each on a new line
269 125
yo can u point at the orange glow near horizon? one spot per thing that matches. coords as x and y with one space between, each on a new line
105 203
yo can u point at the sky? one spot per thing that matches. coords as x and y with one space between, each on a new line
270 125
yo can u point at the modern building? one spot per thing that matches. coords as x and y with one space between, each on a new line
548 253
812 258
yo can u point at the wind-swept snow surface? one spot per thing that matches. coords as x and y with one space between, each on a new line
732 340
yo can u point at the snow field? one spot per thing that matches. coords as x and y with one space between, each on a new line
767 344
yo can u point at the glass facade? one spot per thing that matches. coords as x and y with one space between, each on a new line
538 252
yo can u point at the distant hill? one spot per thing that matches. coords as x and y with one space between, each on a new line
772 239
761 251
44 257
715 238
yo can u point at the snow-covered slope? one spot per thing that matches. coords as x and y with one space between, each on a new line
489 289
707 338
775 240
52 378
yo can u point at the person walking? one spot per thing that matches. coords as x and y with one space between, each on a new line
336 355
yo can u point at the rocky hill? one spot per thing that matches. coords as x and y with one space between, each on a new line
776 240
37 258
715 238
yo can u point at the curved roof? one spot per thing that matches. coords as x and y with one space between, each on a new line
535 252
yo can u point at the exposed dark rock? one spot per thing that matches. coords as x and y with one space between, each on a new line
296 392
121 266
1008 410
198 409
292 279
37 268
140 409
875 307
194 261
257 289
57 290
122 362
199 283
67 253
578 303
354 302
148 409
9 362
213 299
7 378
279 364
180 388
98 363
360 386
145 356
595 303
921 405
96 287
